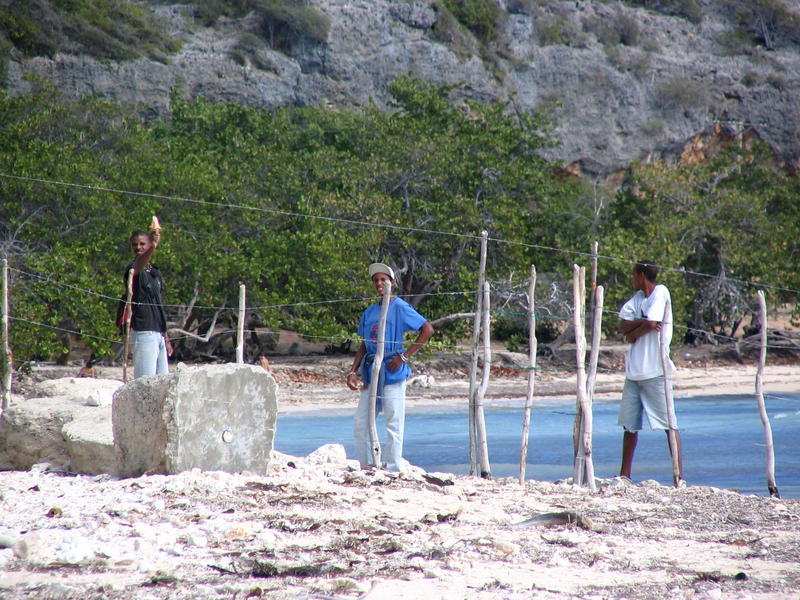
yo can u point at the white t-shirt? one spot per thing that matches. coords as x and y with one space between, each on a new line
643 360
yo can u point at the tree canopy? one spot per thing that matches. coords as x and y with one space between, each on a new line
295 202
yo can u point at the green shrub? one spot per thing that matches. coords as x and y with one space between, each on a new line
679 92
287 20
687 9
776 81
768 22
555 31
248 50
734 43
5 50
208 11
520 7
481 17
105 29
603 31
628 29
652 127
749 80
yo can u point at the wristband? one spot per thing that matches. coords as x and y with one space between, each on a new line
403 357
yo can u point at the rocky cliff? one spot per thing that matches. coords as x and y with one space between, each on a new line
620 82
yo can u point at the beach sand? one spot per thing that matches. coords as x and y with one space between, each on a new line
320 528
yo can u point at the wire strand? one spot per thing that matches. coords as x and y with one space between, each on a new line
229 205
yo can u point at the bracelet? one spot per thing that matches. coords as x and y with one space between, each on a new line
403 357
350 373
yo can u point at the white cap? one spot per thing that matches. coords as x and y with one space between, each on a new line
381 268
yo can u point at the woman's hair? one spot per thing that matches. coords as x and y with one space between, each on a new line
649 268
139 233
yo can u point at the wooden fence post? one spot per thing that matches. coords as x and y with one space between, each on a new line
480 423
666 367
762 408
473 372
594 354
577 426
583 470
375 443
240 327
532 347
5 347
126 346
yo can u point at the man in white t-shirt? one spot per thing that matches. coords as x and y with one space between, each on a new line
642 318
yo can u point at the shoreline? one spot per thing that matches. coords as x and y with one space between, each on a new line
551 388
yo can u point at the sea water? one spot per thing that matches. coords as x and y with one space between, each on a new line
723 440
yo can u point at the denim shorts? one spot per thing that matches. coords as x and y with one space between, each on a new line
646 396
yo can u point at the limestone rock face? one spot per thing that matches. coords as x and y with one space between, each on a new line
219 417
611 102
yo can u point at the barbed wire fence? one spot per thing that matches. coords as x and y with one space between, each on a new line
343 339
240 331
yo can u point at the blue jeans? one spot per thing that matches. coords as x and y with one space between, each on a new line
394 409
149 353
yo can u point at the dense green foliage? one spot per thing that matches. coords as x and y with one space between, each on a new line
719 227
236 189
479 16
294 202
105 29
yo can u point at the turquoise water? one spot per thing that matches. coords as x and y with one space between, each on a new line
723 441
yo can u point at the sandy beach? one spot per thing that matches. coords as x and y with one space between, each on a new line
322 386
318 527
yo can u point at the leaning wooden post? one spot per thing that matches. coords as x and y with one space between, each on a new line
374 384
5 347
577 426
480 423
583 471
128 314
666 367
594 353
532 347
593 279
240 327
473 372
762 409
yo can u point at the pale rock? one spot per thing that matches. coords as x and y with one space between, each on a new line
422 381
8 537
31 431
6 556
88 391
712 594
504 548
329 454
55 547
268 539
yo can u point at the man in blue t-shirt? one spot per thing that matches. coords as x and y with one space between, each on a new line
394 371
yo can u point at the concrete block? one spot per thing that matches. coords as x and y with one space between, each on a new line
90 442
216 417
